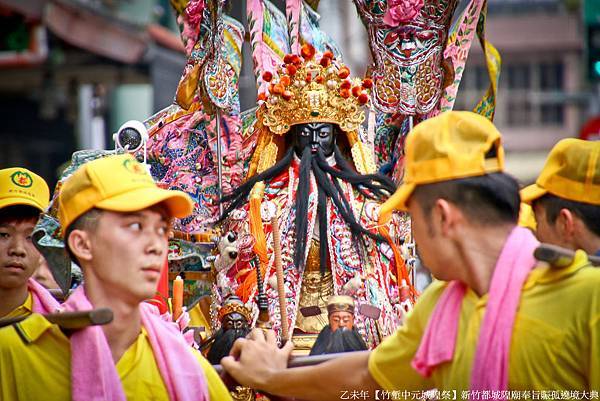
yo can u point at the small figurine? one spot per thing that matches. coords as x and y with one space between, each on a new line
339 335
235 321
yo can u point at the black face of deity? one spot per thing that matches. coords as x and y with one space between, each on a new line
234 321
314 135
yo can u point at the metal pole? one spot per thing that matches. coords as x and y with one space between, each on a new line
219 162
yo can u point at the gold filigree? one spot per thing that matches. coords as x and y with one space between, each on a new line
234 308
242 394
362 159
315 92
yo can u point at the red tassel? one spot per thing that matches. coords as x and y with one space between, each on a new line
162 291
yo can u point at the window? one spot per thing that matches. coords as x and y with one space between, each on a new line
552 114
518 76
519 113
551 76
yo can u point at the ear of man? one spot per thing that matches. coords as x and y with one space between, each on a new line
448 218
80 244
565 223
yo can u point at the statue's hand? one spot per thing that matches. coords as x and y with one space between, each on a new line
228 251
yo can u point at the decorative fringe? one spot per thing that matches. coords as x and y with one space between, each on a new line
267 158
257 231
401 270
372 122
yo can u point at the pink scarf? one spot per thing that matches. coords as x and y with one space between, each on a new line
43 301
93 373
490 367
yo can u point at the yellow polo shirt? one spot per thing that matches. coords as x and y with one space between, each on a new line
35 364
555 343
24 309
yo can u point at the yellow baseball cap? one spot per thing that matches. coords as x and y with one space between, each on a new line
19 186
572 171
116 183
527 217
452 145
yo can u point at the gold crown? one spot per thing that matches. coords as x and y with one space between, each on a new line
313 91
235 305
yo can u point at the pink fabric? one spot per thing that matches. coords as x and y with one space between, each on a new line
93 373
293 10
402 11
490 367
439 340
43 301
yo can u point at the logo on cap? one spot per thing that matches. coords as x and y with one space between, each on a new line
134 167
21 179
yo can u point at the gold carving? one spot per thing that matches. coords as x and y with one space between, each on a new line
242 394
315 93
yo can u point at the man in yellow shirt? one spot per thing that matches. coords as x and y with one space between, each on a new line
23 195
499 322
566 196
116 223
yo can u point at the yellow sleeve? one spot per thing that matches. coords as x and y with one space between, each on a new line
216 388
594 375
390 362
197 318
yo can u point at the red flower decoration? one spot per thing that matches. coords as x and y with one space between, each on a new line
367 83
345 85
307 51
345 93
344 72
402 11
288 58
363 98
262 96
285 80
291 69
278 89
325 61
357 90
319 79
328 54
267 76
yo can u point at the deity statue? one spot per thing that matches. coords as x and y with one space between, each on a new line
339 335
407 43
418 62
312 183
235 320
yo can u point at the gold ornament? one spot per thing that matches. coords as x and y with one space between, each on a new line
313 92
234 307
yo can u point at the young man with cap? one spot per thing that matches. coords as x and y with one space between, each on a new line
116 223
497 322
23 195
566 196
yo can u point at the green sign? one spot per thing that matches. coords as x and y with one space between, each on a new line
591 11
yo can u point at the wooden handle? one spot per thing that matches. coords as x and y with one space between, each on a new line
309 360
559 257
70 320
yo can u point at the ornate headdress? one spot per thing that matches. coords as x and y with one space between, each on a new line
314 91
340 303
306 89
234 305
